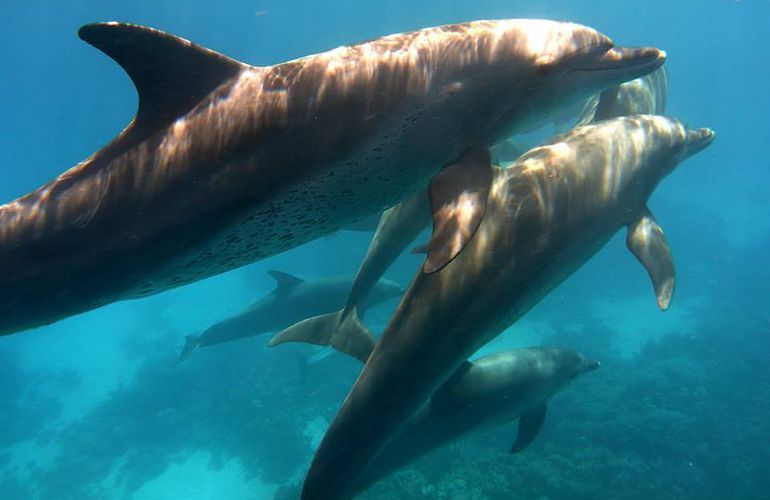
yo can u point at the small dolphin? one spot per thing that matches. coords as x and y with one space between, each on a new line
546 215
292 300
646 95
490 391
227 163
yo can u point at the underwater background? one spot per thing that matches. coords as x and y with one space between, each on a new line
95 406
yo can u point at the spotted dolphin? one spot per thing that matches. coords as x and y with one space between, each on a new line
292 299
226 163
546 215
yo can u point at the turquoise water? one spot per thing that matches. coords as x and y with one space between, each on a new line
94 407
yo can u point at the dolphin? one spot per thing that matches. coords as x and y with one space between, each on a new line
292 299
226 163
646 95
546 215
488 392
401 224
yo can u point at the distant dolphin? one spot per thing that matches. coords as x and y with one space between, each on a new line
227 163
646 95
546 215
292 300
490 391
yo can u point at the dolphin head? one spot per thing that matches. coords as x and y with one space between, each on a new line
555 64
569 364
672 143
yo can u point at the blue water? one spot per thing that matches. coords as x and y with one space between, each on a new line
92 407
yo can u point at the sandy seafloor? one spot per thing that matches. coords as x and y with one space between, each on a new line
93 407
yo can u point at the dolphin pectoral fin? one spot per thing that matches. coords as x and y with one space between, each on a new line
284 281
190 344
171 74
529 426
346 335
458 197
648 243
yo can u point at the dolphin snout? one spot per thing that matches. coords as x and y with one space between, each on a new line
645 59
591 365
698 139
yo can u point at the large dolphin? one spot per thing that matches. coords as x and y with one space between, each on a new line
292 299
401 224
546 215
226 163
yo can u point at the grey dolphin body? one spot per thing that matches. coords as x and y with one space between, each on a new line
401 224
646 95
226 163
546 215
292 300
489 392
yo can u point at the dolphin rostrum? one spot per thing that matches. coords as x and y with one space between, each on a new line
292 300
226 163
546 215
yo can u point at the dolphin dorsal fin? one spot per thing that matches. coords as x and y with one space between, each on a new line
171 74
284 281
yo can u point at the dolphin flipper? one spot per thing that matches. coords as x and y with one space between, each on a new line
458 196
346 334
529 425
648 243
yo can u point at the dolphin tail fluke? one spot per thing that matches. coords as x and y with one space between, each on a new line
345 333
190 344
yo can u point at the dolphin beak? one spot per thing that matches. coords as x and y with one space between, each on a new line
591 365
623 64
698 139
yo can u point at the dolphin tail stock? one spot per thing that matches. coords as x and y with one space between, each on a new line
342 330
190 344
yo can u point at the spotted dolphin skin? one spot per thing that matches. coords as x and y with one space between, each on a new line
292 299
546 215
227 163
